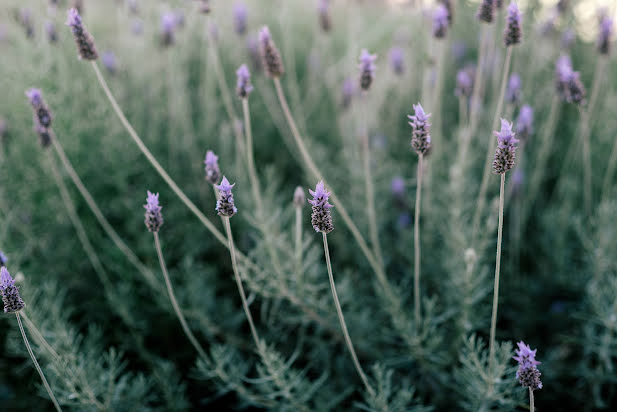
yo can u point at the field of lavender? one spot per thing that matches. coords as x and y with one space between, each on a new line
349 205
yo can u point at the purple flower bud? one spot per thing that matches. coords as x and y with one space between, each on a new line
440 21
225 205
513 91
397 60
43 133
83 39
506 148
25 19
576 91
243 86
321 218
154 218
524 123
397 186
240 17
486 12
528 374
448 5
563 72
3 259
421 138
168 29
213 173
109 62
348 90
324 15
367 69
464 83
604 38
299 197
52 34
42 114
270 56
10 293
513 34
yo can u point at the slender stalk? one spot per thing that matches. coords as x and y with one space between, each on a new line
491 148
234 264
174 302
462 110
610 172
249 156
587 182
339 312
477 82
36 365
491 355
416 242
532 407
436 104
298 241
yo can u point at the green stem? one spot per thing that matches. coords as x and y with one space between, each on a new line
299 242
531 401
36 364
416 242
477 82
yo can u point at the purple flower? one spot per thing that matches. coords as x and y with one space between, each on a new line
324 15
83 39
563 72
528 374
506 148
421 138
109 61
213 173
367 69
243 86
486 12
299 197
576 91
42 114
52 34
512 34
397 60
513 91
225 205
321 218
448 5
604 38
240 17
524 123
168 28
464 83
397 186
10 293
154 218
3 259
348 92
440 21
270 56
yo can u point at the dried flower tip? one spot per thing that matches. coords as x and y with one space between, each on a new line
225 205
321 218
513 91
83 39
324 15
464 83
524 123
397 60
604 38
42 114
240 18
243 85
154 218
109 62
3 259
168 29
528 374
513 34
50 30
486 11
367 69
420 137
348 92
440 21
448 5
506 148
270 56
299 197
213 173
10 293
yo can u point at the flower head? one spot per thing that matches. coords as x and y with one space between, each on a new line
440 21
464 83
169 23
367 69
513 91
321 218
243 85
270 56
240 17
563 72
506 148
50 30
213 173
42 114
421 138
324 15
348 90
527 374
3 259
448 5
486 12
299 197
512 34
83 39
604 37
576 91
10 293
154 218
524 123
225 205
397 60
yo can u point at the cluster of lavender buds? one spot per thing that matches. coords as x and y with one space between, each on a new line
528 374
240 18
83 39
513 91
524 122
225 205
421 138
513 34
270 56
367 69
464 83
576 91
448 5
299 197
25 19
348 92
604 38
563 71
440 21
50 30
486 12
213 173
42 116
397 60
154 217
109 62
506 148
323 10
10 293
168 29
3 259
243 85
321 218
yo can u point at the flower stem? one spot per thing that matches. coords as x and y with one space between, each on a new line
249 156
477 82
36 365
491 355
299 242
531 401
416 242
339 312
234 264
174 302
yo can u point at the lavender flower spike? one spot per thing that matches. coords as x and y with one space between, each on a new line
367 69
321 218
270 56
3 259
450 9
604 38
168 28
42 114
563 72
528 374
225 205
240 18
154 218
576 91
524 123
440 21
513 34
213 173
464 83
83 39
299 197
397 60
421 138
243 86
10 293
324 15
348 92
486 12
506 148
513 91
